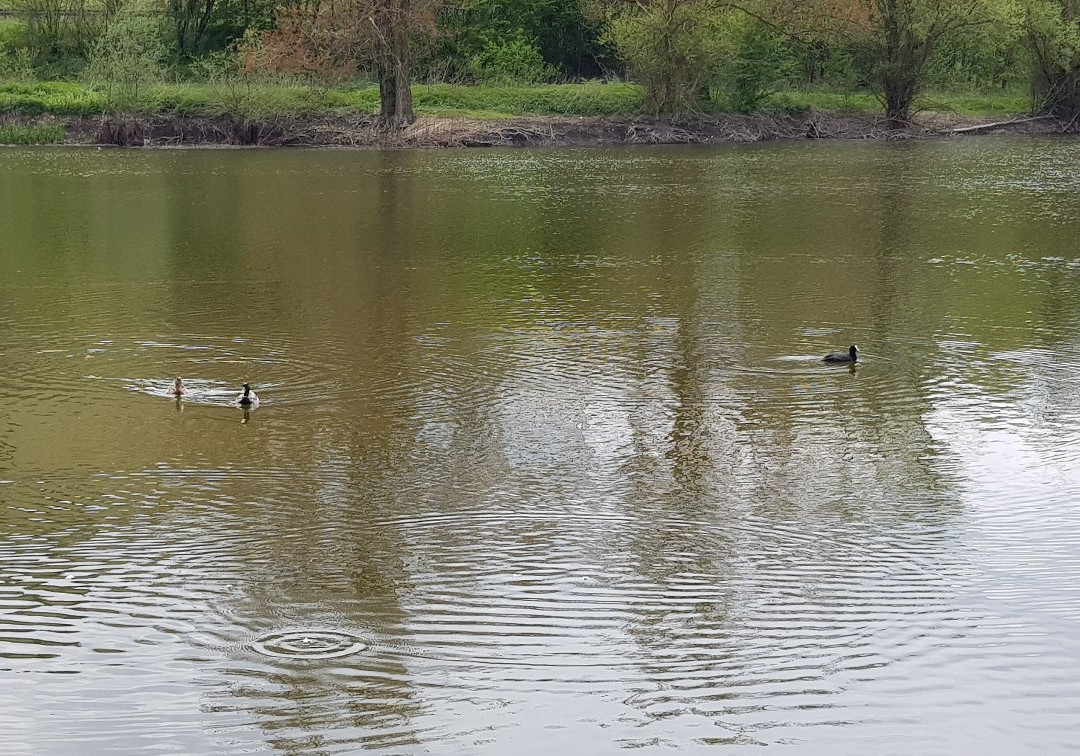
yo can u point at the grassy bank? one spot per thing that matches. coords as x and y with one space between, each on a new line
971 104
616 100
32 133
211 100
455 116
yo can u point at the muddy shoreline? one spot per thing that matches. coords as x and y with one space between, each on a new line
363 131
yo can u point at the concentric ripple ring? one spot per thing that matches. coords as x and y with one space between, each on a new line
309 644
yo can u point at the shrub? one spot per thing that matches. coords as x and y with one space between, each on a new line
126 57
671 49
515 60
1053 37
312 46
759 59
17 64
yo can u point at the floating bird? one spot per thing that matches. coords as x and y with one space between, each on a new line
178 389
248 398
852 355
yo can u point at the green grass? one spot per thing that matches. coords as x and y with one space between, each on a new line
34 133
962 103
72 98
857 102
484 102
588 99
56 97
75 99
977 104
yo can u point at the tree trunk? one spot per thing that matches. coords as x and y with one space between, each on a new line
899 94
1059 92
894 81
395 89
905 51
395 97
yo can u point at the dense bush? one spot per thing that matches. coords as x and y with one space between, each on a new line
514 60
758 61
566 39
1053 38
127 57
670 48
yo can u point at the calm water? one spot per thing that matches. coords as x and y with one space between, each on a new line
546 459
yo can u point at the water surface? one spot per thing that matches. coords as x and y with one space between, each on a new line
546 458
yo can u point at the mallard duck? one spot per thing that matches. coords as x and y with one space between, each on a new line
851 355
248 398
178 388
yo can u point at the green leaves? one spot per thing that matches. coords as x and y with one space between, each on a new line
514 59
1053 36
126 57
670 47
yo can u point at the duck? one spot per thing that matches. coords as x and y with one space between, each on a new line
178 389
248 398
851 355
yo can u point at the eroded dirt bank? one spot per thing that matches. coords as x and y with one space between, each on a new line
544 131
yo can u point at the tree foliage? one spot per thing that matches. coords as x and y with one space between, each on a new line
670 47
901 38
565 38
190 20
893 42
757 58
127 57
688 55
123 60
331 42
58 29
1052 31
512 60
325 45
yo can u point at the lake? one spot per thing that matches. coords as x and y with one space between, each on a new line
546 458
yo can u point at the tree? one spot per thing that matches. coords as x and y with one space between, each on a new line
122 60
63 28
1052 29
190 19
758 56
558 31
394 23
896 40
330 43
670 47
324 45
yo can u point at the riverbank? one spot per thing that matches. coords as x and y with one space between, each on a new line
460 116
363 131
